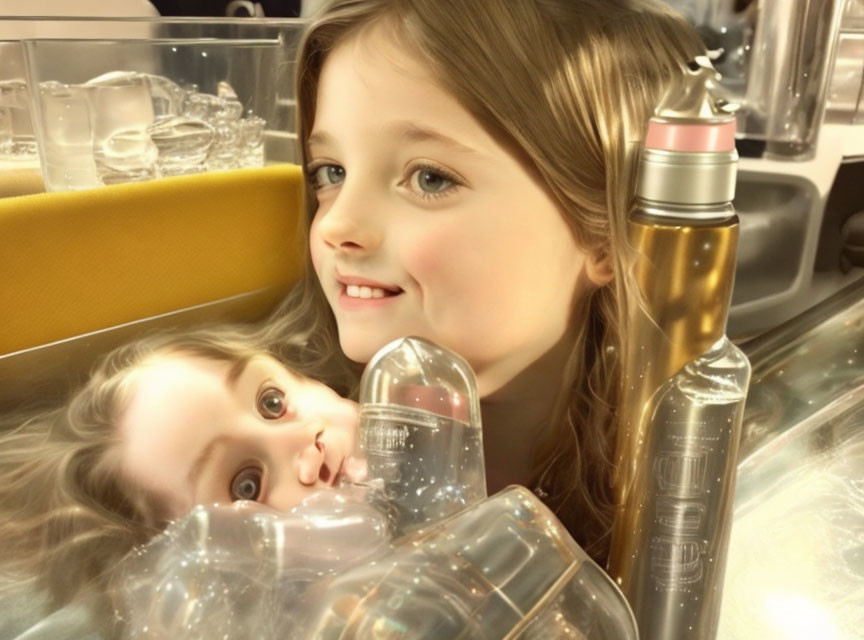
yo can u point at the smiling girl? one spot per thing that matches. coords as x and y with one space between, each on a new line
470 167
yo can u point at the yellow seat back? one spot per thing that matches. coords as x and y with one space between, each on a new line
81 272
72 263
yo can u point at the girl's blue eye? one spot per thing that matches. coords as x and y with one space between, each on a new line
271 404
430 181
246 485
328 174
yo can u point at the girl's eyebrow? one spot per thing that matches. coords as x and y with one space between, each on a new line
407 131
236 370
203 460
319 138
412 132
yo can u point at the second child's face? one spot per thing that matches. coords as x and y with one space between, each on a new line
192 433
426 225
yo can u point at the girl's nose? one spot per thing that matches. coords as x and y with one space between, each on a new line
349 225
310 459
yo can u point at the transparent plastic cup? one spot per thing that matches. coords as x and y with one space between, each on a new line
17 140
66 141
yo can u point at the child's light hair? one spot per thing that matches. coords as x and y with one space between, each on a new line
67 513
568 86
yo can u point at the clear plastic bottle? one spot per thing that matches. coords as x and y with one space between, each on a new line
681 538
504 569
420 432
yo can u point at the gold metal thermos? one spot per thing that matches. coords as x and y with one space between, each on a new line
685 383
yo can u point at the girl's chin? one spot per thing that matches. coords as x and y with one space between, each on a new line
360 351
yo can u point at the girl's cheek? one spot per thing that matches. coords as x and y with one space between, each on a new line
316 260
438 254
338 409
423 262
315 249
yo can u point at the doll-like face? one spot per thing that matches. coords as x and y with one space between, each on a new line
193 433
426 225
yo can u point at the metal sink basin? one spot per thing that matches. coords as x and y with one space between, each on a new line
780 216
774 211
796 558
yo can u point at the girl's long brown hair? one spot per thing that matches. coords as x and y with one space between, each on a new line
67 513
569 85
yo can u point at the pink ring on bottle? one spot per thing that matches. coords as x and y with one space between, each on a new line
450 404
709 137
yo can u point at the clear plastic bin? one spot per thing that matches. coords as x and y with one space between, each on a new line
221 94
776 58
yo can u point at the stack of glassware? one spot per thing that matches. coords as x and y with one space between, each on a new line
159 108
126 126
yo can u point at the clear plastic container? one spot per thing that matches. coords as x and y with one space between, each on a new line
681 531
505 568
263 84
420 431
154 108
788 75
242 571
20 172
776 58
17 140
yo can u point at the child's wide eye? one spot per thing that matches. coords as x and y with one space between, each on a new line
246 485
430 181
326 175
271 404
426 181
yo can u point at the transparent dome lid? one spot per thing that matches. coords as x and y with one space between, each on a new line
417 374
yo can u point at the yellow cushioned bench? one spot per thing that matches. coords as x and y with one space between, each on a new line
79 263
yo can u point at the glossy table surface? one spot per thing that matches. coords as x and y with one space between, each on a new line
796 558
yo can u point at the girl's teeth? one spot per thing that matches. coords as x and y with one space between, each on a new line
357 291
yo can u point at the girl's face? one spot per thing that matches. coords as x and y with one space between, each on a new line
426 225
195 432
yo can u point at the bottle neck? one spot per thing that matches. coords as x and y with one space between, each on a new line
704 179
677 214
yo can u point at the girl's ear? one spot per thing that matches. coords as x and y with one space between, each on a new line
598 268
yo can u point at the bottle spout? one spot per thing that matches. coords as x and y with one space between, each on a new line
696 96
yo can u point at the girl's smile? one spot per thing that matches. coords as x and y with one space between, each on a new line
362 293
